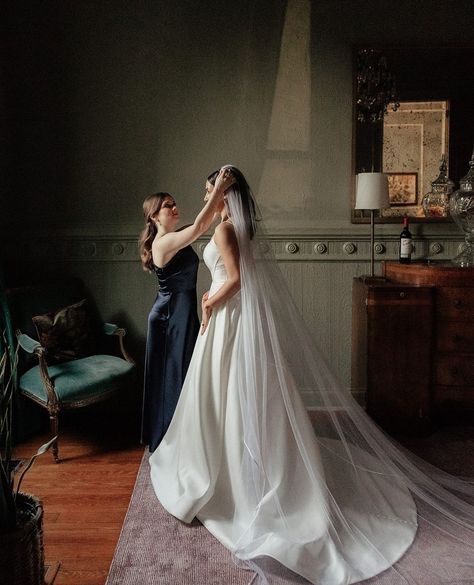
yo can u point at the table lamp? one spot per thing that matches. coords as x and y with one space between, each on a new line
371 194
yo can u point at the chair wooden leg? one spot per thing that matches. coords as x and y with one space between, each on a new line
54 424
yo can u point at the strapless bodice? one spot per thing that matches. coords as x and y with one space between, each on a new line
214 262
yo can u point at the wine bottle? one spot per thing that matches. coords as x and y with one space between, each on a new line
405 243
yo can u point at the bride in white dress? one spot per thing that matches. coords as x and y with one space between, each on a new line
333 500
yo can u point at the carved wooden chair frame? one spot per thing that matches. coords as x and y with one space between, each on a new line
53 404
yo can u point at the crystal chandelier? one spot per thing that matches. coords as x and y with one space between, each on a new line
375 86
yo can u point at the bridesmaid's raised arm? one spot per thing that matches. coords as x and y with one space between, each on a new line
166 246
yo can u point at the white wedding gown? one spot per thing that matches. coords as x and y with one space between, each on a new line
330 518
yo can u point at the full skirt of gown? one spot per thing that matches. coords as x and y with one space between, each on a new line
197 472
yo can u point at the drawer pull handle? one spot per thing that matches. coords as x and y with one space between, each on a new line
403 295
458 338
457 303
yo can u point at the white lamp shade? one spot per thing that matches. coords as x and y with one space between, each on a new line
371 191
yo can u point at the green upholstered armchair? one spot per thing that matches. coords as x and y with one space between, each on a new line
76 378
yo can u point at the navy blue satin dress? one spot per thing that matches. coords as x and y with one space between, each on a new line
173 327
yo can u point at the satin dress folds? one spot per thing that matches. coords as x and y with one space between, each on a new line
330 521
173 326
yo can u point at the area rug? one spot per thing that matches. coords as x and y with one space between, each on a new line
155 548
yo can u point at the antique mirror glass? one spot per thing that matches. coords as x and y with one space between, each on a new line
430 114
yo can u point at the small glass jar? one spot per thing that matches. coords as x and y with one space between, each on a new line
436 202
461 207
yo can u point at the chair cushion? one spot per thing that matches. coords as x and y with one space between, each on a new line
84 379
67 333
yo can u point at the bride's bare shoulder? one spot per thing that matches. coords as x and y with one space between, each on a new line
224 234
224 227
224 230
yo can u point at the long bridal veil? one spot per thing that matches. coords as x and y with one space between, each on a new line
342 489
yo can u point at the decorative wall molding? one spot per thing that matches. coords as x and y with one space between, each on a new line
331 247
318 268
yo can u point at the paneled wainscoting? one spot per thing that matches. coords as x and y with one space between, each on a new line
319 268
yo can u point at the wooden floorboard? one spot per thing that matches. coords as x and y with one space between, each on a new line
86 496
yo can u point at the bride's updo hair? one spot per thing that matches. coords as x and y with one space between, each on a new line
241 190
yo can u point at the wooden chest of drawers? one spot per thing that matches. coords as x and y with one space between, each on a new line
392 325
452 355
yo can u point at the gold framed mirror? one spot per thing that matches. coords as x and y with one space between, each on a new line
430 114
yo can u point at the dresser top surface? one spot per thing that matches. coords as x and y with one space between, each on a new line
429 273
429 265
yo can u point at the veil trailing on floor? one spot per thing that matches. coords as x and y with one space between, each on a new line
337 487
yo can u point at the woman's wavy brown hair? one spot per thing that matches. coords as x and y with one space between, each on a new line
151 206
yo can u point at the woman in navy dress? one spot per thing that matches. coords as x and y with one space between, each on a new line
173 323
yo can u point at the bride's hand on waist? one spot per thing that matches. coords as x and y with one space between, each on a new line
206 312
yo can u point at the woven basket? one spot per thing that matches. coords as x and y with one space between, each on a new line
22 553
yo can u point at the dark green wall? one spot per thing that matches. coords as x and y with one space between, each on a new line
106 101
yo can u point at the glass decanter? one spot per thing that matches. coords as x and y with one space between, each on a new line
436 202
461 206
